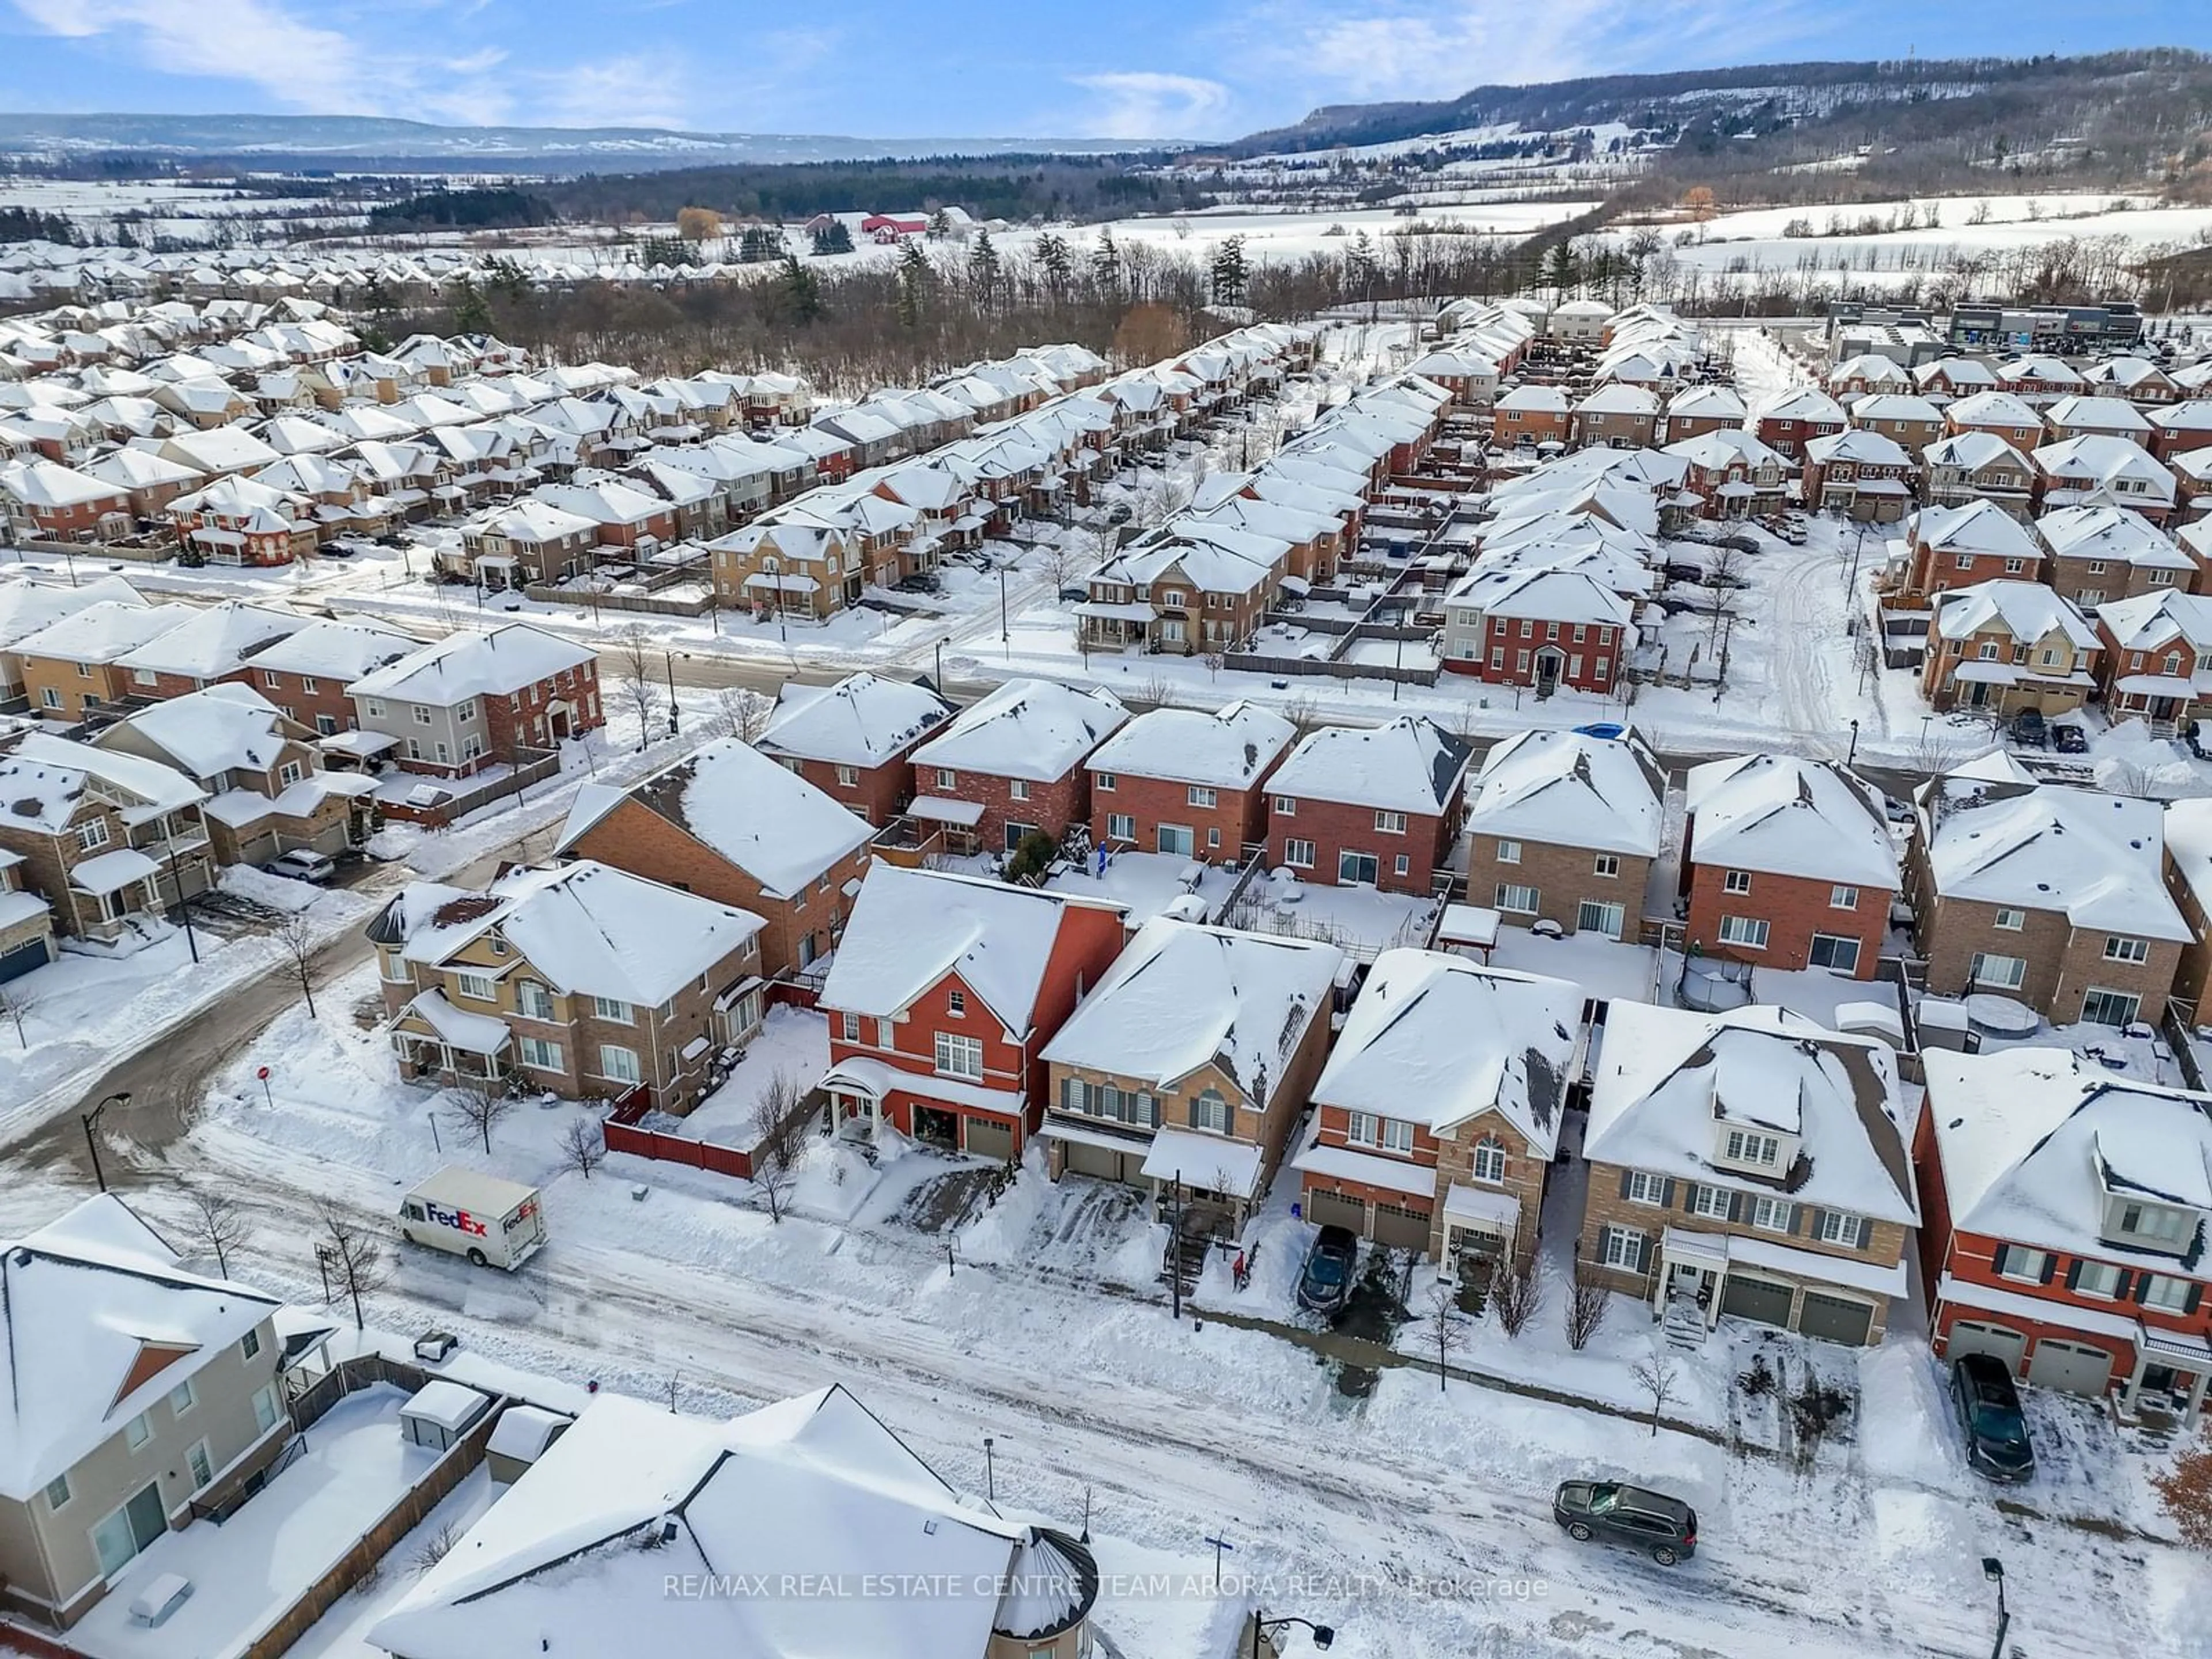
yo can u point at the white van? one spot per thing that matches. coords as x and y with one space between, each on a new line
494 1223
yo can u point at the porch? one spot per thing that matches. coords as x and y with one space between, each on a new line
435 1040
865 1094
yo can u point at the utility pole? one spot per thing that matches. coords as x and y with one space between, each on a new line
668 662
1174 1247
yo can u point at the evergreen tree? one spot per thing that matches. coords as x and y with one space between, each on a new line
836 237
1361 268
1560 270
914 277
1229 271
801 290
467 301
1106 268
761 244
940 225
1053 260
984 270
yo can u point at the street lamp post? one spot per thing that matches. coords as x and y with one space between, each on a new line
1854 754
1324 1636
1993 1570
668 662
92 1140
990 1472
1004 636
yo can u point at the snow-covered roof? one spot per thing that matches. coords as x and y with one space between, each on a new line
2098 858
27 606
449 1405
49 483
1856 444
2028 611
2146 620
1544 592
222 727
1183 995
1409 765
101 1320
1979 527
105 631
2188 830
1571 789
1802 403
2090 413
1436 1038
2033 1141
2114 533
1232 748
1790 816
1037 730
762 817
1670 1081
337 649
467 665
43 777
1974 450
214 642
523 1432
1993 408
863 720
910 929
810 1490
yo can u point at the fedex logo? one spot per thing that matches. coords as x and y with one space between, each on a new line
460 1219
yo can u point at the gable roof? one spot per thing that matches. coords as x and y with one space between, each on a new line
1571 789
1410 764
1979 526
2026 610
1790 816
214 642
863 720
339 649
2105 531
468 663
224 727
103 632
1033 729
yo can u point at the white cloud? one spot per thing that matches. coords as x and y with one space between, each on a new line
252 41
1148 104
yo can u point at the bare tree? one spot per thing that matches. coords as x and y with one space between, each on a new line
297 935
352 1256
1059 558
215 1224
740 713
636 682
1658 1376
15 1002
1516 1292
1440 1325
1586 1305
1215 661
479 1104
777 1115
583 1148
2184 1491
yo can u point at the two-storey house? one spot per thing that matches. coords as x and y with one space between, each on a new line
1787 421
1377 806
110 841
2156 664
1563 827
70 667
1948 547
1979 466
306 673
1861 474
2006 645
1187 783
854 740
473 700
2100 552
207 647
1012 764
1530 416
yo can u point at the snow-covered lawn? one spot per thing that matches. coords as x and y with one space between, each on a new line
251 1568
1363 921
791 1042
1146 882
343 1632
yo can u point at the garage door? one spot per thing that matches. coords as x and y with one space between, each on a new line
1761 1299
1103 1162
1401 1229
32 953
1834 1318
2074 1366
1329 1209
988 1139
1973 1336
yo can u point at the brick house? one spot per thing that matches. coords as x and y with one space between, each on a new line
528 541
2039 378
27 921
1191 1061
1787 863
2137 380
1749 1163
1012 763
267 792
1542 628
1955 378
1438 1115
211 646
1531 415
1377 807
1863 475
150 481
1191 587
70 667
2006 645
306 673
1617 416
583 980
1564 827
626 517
472 700
1696 409
2180 429
1912 423
854 740
943 997
1788 422
1868 372
2053 896
1187 783
1733 474
2189 879
2064 1211
2081 415
2099 468
727 822
107 839
2102 552
48 501
1998 414
236 520
2155 663
1976 466
1964 546
28 606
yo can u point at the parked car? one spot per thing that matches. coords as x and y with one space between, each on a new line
2029 731
1898 812
1989 1415
1325 1283
304 864
1663 1527
2068 739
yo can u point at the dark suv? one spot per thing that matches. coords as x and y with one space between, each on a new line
1326 1282
1665 1528
1989 1412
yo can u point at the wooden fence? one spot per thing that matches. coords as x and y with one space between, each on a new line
458 801
675 1148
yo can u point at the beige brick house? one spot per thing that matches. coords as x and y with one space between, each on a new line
1563 826
109 839
1749 1163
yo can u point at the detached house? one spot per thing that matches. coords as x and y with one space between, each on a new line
1563 827
584 979
2066 1210
854 740
1190 1061
1948 547
2104 552
2081 415
1861 474
1787 863
1696 409
941 1000
47 501
1187 783
728 824
71 667
1912 422
1980 466
1995 414
2156 660
107 839
1542 628
1436 1119
1732 473
1531 416
1787 422
1377 807
1012 764
1748 1163
471 699
2076 470
2006 645
1617 416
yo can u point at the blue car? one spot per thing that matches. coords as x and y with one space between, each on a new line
1325 1283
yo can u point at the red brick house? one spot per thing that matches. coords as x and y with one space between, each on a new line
1377 807
235 520
1696 409
1187 783
211 646
2156 663
1538 627
47 501
1013 763
854 740
2180 427
1962 546
472 700
1732 473
1785 424
1531 415
306 673
1867 476
1787 863
2062 1209
2000 414
942 998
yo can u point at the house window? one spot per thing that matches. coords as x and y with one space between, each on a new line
1298 855
1773 1215
1498 658
1490 1161
1836 953
956 1003
1103 780
137 1431
1622 1246
1711 1203
1401 866
1210 1111
2012 921
265 1411
1747 1146
289 773
373 709
1521 662
1736 881
1644 1187
1391 823
1508 852
92 834
1018 789
307 686
1842 898
1199 795
2102 1007
541 1055
467 711
613 1009
1356 869
2098 1278
57 1492
1285 807
1519 899
182 1398
2004 972
249 1345
422 714
959 1056
947 778
849 777
50 697
1603 920
1607 864
848 1027
619 1065
2166 1292
1120 826
532 1000
1749 932
1392 1134
1839 1227
476 988
2018 1261
2155 1224
2118 948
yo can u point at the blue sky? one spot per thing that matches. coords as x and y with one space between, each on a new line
1131 68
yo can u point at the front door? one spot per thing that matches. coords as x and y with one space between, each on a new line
1549 664
1685 1282
1978 693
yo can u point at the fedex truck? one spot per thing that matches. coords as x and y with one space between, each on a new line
493 1222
